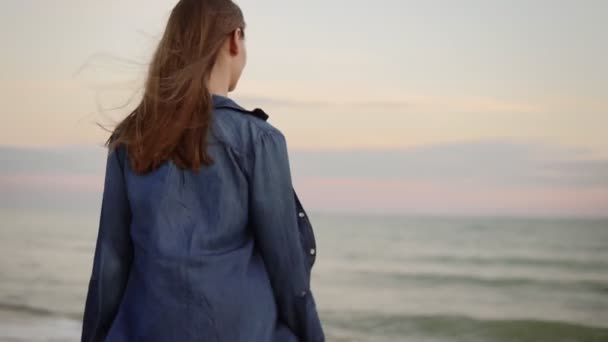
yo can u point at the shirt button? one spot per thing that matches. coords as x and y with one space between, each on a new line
301 214
313 251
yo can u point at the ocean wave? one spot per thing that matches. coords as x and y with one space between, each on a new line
38 311
369 326
569 264
588 285
384 327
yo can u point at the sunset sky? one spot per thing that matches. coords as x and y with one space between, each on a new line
396 106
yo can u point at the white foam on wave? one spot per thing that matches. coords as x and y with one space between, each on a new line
17 326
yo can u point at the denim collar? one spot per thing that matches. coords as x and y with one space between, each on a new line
223 102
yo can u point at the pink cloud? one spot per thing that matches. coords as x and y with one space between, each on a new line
52 182
432 197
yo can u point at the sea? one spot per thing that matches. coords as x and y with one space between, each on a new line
377 278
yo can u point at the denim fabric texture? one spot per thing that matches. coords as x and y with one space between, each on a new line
220 255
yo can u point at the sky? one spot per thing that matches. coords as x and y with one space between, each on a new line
432 107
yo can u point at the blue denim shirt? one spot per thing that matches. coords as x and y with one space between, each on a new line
222 255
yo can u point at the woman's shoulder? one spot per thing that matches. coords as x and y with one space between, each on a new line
242 124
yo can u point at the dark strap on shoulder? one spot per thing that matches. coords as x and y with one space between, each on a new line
258 112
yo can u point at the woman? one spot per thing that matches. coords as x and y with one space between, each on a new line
202 237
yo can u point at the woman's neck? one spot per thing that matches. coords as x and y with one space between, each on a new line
219 81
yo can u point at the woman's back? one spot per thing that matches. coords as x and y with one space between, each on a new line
198 242
181 214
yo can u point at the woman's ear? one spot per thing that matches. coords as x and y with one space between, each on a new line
235 40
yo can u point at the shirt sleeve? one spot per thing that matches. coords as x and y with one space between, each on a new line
113 254
275 225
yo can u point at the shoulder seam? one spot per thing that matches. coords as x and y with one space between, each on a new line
263 125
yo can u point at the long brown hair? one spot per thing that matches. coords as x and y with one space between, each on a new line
174 116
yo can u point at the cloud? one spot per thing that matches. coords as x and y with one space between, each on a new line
66 160
487 163
469 178
488 178
351 97
447 198
253 101
59 183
